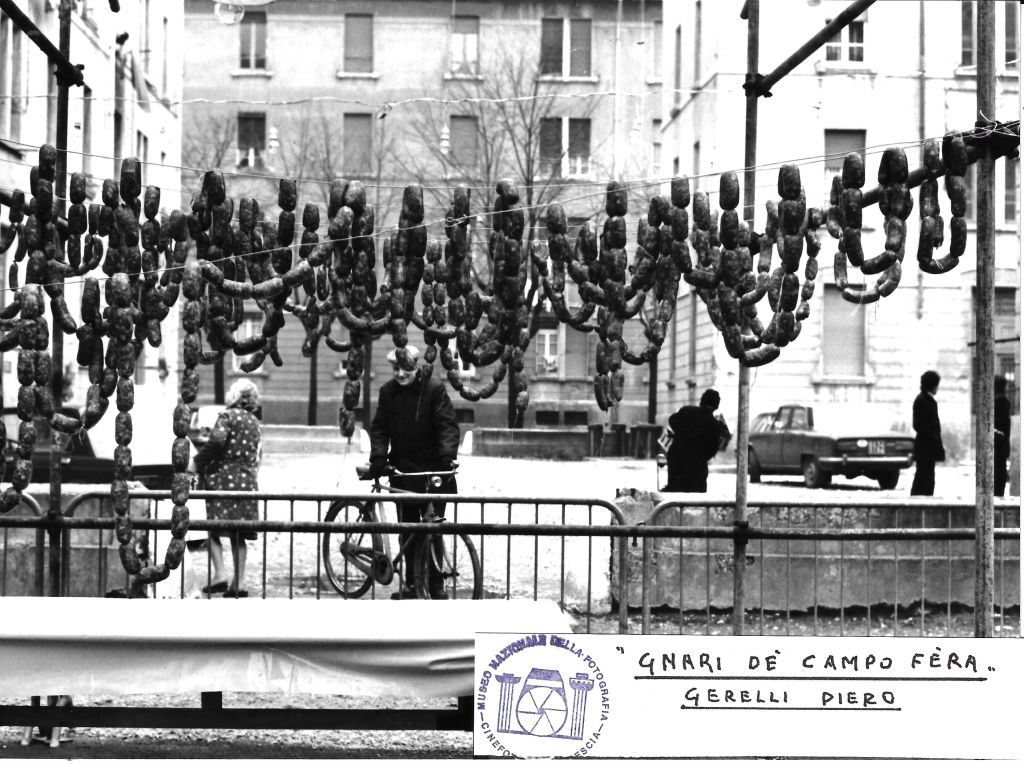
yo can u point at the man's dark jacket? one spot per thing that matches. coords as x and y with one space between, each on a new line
928 438
414 427
696 434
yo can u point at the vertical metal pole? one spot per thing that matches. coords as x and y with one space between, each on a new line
57 351
984 346
743 408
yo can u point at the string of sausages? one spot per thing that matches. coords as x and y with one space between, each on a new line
486 316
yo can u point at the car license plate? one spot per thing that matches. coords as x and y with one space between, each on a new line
876 448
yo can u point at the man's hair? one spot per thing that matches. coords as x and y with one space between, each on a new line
930 380
710 398
1000 383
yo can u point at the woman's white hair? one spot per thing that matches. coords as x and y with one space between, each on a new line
243 391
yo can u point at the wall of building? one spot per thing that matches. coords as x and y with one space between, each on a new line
305 62
927 322
149 104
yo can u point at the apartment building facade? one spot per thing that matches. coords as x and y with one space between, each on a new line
436 93
899 74
129 106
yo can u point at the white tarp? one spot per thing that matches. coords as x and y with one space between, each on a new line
92 646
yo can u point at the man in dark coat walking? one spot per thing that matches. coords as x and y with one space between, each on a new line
928 436
414 429
695 440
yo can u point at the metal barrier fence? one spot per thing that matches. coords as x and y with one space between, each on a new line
878 568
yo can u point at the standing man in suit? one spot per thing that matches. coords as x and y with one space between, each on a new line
928 436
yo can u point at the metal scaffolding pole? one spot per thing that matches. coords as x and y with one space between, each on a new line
753 16
984 576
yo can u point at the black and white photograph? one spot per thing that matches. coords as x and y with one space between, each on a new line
423 379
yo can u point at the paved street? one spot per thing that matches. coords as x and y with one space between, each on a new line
590 478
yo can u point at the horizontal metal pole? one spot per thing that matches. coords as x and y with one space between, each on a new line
762 84
67 73
235 718
523 529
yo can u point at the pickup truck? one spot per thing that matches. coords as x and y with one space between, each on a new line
846 439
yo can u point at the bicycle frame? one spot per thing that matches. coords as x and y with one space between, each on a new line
426 514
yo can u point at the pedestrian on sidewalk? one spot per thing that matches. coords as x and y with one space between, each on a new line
1003 423
928 447
696 437
414 429
229 461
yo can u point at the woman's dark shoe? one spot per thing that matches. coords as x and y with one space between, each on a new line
405 593
217 588
236 593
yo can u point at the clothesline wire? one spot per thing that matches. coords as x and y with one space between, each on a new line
629 184
382 233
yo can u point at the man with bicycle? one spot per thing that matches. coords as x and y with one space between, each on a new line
414 429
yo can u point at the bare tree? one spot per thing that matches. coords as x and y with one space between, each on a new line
512 114
208 141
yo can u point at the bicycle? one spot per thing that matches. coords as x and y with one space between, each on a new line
362 558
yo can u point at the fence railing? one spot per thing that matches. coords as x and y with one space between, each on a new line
869 568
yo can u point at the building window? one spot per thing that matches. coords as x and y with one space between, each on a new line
358 42
118 140
358 143
145 40
657 50
656 148
1011 201
565 42
465 45
677 68
969 33
551 146
847 44
843 352
12 78
547 418
546 344
579 147
87 134
557 133
252 137
966 32
839 143
698 13
695 172
1012 24
252 37
142 153
465 137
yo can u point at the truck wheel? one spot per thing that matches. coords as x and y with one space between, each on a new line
753 466
814 476
888 480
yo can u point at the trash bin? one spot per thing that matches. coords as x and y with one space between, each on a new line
644 440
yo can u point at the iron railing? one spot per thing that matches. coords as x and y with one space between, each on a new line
852 568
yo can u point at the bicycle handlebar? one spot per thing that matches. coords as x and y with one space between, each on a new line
363 472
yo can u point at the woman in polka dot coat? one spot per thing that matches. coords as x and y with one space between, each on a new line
234 450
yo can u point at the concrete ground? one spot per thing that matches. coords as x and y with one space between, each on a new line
333 470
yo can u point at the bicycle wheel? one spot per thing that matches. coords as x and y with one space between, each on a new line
449 563
354 560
